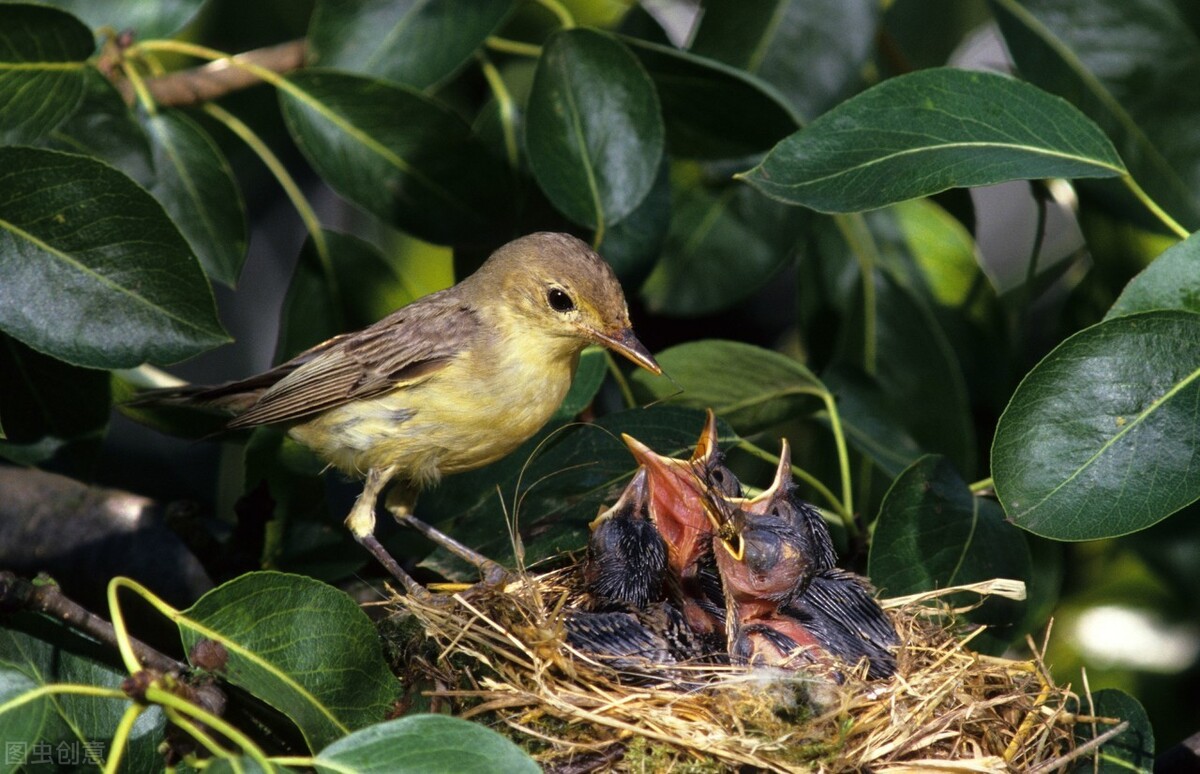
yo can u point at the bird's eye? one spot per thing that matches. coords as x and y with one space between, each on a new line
559 300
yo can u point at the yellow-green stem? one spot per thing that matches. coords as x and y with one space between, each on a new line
858 237
139 87
183 711
982 486
118 621
1152 205
71 689
565 19
516 47
312 224
619 378
121 737
504 102
839 441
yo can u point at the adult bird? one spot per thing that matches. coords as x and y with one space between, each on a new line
449 383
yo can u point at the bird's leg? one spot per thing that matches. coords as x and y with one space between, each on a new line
361 522
492 573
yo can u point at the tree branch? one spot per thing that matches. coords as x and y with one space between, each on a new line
197 85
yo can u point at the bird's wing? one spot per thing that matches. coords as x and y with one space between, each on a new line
405 347
838 607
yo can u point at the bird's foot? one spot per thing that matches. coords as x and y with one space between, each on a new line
492 573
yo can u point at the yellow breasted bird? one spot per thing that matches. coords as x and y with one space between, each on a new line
451 382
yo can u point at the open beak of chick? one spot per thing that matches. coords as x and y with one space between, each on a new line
634 502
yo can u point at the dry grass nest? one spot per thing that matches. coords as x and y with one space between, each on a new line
499 656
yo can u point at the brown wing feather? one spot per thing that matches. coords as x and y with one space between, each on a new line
406 346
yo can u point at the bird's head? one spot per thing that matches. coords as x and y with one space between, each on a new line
684 494
560 288
766 553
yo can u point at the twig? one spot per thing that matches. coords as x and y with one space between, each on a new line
194 86
17 593
1082 749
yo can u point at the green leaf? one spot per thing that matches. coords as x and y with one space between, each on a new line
593 366
95 272
105 128
426 174
1172 281
922 133
36 652
814 51
933 533
725 241
558 480
195 185
1132 749
301 646
415 42
425 744
593 128
751 119
1140 95
633 246
1100 438
160 19
42 65
749 387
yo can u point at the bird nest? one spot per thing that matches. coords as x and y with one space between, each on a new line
498 654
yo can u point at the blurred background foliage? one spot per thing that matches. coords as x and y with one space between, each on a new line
743 167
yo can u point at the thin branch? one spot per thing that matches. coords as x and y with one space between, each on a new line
46 597
184 88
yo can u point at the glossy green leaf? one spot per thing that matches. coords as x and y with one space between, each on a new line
814 51
933 533
66 729
1130 66
398 154
1100 438
105 128
557 480
195 185
1172 281
1132 749
916 369
633 246
95 273
159 19
416 42
751 119
725 241
422 744
593 128
589 376
749 387
301 646
925 132
42 61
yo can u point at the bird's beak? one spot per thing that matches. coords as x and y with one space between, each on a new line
706 447
676 491
635 497
625 343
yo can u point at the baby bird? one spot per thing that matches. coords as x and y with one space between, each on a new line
449 383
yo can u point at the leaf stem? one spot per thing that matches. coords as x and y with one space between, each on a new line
839 440
181 712
304 209
861 242
508 109
139 87
1152 205
560 12
619 378
121 737
71 689
516 47
982 485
